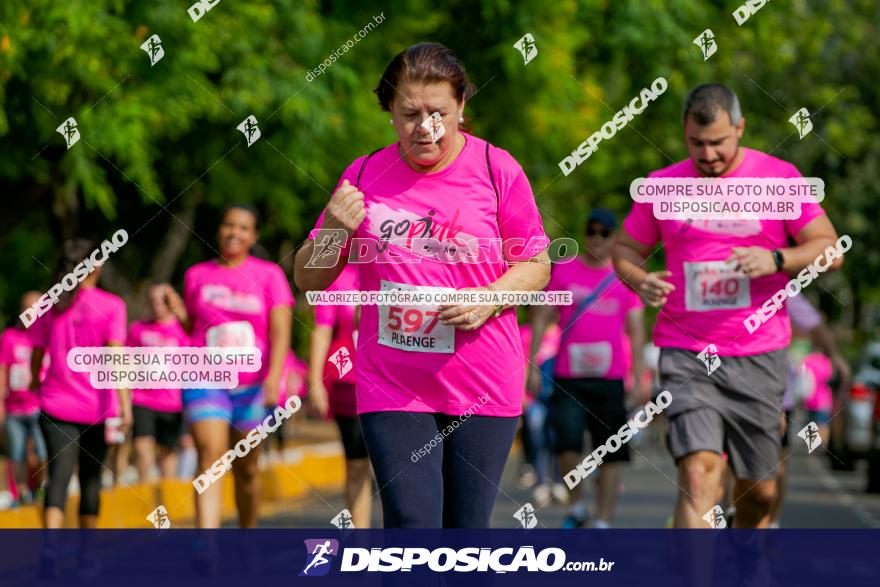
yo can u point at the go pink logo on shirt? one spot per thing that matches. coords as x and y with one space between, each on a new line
222 296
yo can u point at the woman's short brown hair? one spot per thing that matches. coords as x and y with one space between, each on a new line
425 63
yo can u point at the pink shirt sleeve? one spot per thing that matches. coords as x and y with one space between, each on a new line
809 212
631 300
641 225
39 330
350 174
325 315
6 357
518 216
278 289
133 331
116 324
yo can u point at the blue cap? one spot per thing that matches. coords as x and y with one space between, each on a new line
604 217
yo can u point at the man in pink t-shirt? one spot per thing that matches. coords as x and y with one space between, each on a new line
592 362
725 397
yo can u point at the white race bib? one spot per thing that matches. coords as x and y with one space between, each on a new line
414 328
231 334
589 359
19 377
714 285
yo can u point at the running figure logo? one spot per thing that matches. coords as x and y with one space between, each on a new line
715 518
70 131
319 554
434 125
801 121
526 516
343 520
159 518
249 129
153 47
527 47
706 43
342 360
710 358
810 434
327 247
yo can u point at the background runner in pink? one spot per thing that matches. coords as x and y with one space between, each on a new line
712 240
233 304
341 320
399 199
156 334
604 321
15 354
95 318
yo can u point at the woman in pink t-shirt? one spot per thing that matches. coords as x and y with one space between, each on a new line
158 419
332 391
73 412
19 406
235 300
439 389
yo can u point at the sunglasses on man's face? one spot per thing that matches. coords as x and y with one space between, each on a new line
605 232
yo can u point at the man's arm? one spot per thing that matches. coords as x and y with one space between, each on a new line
635 330
630 258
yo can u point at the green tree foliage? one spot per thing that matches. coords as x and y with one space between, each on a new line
160 154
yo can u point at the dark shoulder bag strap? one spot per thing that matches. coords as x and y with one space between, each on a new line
494 187
357 183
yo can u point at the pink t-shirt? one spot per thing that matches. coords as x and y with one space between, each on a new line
95 318
230 306
407 360
820 367
142 333
15 355
699 248
596 343
341 320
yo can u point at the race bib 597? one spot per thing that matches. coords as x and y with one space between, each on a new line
414 328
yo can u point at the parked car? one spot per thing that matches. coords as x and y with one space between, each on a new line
870 374
854 433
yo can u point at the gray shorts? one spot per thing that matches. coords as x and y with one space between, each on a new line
736 409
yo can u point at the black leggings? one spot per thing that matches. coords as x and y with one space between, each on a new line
69 443
436 470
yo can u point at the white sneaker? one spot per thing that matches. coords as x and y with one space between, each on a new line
560 493
600 525
541 494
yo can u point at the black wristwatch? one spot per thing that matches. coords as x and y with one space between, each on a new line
778 259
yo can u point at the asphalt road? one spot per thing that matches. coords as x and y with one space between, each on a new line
817 496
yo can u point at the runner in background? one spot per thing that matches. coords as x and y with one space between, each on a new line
73 413
719 273
331 353
293 382
540 472
20 407
806 321
592 363
235 300
158 419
